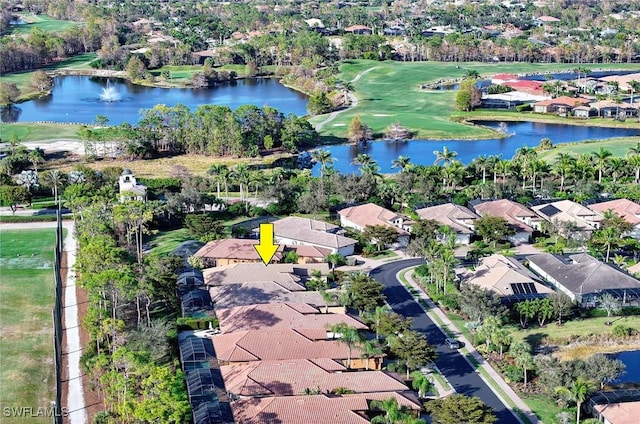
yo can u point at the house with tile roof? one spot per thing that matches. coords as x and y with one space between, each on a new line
316 409
280 315
562 105
288 276
233 251
507 278
296 231
359 29
292 377
459 218
624 208
361 216
244 294
611 109
584 278
283 344
584 220
522 219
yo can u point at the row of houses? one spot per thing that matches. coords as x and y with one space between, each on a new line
584 219
273 357
580 276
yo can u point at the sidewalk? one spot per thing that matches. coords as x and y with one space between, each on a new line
513 398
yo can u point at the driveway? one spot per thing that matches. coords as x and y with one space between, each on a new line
451 363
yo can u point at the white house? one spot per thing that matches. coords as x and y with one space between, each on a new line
370 214
129 187
296 231
458 218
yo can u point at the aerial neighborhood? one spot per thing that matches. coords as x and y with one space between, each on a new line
267 212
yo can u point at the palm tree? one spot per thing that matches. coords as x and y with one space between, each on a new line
242 176
503 167
220 173
522 354
471 74
393 412
402 162
371 349
348 336
323 157
445 156
563 167
54 179
524 157
365 162
617 167
421 383
36 156
634 162
601 158
579 391
493 164
481 163
634 87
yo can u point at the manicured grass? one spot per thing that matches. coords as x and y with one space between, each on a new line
619 147
26 346
23 79
544 407
39 132
391 92
43 22
576 327
505 115
164 242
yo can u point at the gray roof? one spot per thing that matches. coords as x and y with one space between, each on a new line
583 274
231 295
311 231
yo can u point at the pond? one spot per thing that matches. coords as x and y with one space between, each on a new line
421 151
631 359
78 99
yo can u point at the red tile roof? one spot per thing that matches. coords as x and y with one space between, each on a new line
280 315
564 100
532 87
289 378
459 218
281 344
371 214
514 213
314 409
240 249
625 208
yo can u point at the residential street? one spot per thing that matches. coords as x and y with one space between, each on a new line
451 363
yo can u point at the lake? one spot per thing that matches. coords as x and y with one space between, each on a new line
421 151
631 359
77 99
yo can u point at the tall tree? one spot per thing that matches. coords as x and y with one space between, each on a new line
601 159
578 392
411 347
358 131
458 408
493 229
349 336
445 156
521 352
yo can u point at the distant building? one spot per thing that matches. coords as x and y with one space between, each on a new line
583 219
359 29
562 105
296 231
130 189
624 208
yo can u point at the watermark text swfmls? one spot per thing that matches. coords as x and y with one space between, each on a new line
31 412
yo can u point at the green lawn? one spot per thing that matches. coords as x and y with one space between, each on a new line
26 301
619 147
43 22
544 407
23 79
37 132
391 92
164 242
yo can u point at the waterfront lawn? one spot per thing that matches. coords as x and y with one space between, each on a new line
43 22
26 348
619 147
164 242
38 132
390 92
23 79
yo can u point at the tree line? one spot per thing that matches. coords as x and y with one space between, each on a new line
209 130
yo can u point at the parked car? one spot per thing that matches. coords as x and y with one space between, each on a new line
452 343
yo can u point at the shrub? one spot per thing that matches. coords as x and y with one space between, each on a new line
524 108
196 323
620 330
513 373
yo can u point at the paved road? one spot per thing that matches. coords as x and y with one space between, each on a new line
450 362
